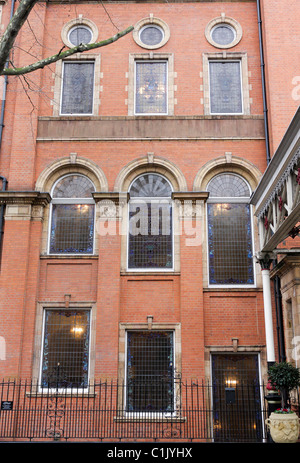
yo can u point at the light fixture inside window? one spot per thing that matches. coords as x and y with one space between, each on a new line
77 330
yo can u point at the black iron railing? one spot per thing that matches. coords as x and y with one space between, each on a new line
197 411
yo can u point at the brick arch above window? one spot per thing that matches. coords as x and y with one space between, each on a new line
227 163
71 164
150 163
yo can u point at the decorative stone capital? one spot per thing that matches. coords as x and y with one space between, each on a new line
265 260
190 203
24 205
110 204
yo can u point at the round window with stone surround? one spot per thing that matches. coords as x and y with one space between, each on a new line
223 32
79 30
80 34
151 33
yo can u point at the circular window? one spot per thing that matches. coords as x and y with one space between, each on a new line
80 34
223 34
151 33
79 30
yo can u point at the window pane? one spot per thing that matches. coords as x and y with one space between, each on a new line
72 228
228 185
78 87
151 35
230 244
225 87
151 88
79 35
150 185
74 186
150 371
150 235
223 35
66 348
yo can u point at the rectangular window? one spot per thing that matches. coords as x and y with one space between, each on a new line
230 244
151 92
150 371
150 241
225 87
65 359
77 87
72 229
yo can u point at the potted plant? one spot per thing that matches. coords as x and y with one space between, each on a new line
283 422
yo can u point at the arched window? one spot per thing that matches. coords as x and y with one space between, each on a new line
72 216
230 247
150 237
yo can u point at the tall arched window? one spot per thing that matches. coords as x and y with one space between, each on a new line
230 250
150 237
72 216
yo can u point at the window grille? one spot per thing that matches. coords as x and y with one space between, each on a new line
225 87
77 87
65 358
230 248
151 87
150 371
72 220
150 240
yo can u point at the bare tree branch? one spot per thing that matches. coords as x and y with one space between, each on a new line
12 30
9 36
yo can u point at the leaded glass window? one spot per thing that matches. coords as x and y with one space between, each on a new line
77 87
230 249
72 218
151 87
223 34
225 87
150 371
65 359
80 34
151 35
150 240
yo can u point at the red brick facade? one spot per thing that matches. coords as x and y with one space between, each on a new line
190 146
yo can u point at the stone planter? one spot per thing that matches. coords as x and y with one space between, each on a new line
284 428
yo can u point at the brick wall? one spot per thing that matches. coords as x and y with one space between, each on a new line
30 282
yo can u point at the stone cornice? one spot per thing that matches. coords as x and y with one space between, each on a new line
118 198
34 198
190 196
289 262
